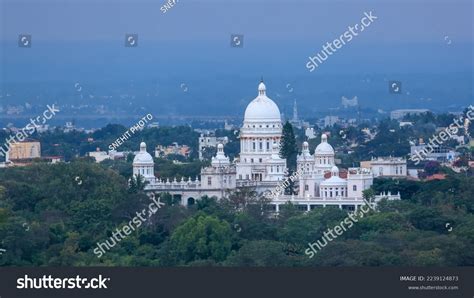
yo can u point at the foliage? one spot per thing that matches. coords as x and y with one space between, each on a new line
48 217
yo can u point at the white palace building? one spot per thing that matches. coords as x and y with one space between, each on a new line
260 166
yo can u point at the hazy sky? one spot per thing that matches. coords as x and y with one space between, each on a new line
426 44
77 20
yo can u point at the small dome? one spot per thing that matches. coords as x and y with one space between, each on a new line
220 159
143 157
305 155
335 180
324 147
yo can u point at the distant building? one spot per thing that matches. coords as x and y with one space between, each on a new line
405 123
154 125
228 126
413 173
98 155
309 133
41 128
459 139
368 135
295 121
119 154
163 151
69 127
27 149
399 114
438 153
349 102
210 141
386 166
330 121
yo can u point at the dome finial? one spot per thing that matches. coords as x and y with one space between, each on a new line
324 138
261 88
261 80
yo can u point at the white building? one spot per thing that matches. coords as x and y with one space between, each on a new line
400 114
144 165
260 166
221 175
309 133
330 121
262 128
99 156
313 168
433 152
387 166
210 141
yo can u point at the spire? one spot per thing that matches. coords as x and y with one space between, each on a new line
295 112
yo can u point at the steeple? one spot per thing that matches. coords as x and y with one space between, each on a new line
295 112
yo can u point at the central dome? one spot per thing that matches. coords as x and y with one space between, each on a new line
262 108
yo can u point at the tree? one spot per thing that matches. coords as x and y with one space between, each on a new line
200 238
289 151
288 147
432 167
137 184
260 253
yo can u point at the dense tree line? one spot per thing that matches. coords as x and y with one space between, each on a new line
54 215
